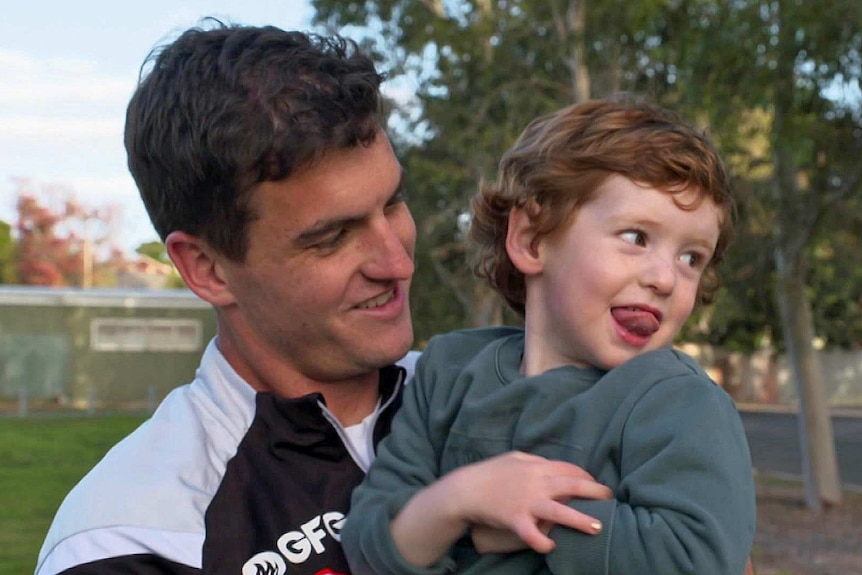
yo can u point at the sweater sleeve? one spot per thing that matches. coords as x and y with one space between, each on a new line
685 502
134 564
407 460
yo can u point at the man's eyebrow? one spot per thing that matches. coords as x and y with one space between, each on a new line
400 191
322 229
319 230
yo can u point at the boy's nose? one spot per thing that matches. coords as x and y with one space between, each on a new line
660 275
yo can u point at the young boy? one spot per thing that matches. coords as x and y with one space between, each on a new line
604 231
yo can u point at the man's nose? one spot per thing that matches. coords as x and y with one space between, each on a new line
390 253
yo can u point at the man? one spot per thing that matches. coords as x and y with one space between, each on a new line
260 157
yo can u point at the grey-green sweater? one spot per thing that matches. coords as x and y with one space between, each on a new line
656 430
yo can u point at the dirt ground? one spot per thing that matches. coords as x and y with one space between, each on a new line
792 540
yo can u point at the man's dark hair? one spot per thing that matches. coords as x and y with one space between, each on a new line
226 107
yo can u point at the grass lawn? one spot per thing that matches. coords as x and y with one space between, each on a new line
41 458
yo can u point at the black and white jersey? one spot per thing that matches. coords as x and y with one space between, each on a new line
220 480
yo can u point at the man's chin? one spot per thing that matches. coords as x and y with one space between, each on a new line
389 354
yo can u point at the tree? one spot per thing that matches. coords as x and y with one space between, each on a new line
154 250
482 70
61 245
8 272
762 75
158 252
781 61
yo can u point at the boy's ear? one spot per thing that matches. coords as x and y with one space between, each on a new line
199 267
521 244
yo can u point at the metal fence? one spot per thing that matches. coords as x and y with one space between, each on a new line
70 350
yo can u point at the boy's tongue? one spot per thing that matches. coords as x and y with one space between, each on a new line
636 320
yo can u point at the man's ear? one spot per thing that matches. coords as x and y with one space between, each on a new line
199 267
522 243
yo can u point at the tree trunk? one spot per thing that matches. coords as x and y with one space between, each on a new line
819 464
580 73
570 25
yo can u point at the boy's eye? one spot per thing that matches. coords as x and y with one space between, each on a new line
690 259
694 259
635 237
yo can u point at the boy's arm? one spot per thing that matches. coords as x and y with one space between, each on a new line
514 491
686 499
406 461
404 521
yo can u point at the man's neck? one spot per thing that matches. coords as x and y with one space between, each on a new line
351 403
350 399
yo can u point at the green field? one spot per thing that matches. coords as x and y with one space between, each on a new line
40 460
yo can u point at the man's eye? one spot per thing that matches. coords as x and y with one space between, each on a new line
635 237
399 198
332 241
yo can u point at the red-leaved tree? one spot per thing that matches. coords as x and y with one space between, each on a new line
59 245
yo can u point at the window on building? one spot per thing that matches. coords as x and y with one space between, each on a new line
142 334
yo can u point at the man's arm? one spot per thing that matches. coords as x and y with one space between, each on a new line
130 565
123 549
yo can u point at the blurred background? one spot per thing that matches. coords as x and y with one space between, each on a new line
90 305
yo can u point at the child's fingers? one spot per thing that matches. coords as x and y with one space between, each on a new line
562 514
568 487
530 534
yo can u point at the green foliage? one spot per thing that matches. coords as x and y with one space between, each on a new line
764 75
175 281
835 284
158 252
154 250
42 460
8 271
760 75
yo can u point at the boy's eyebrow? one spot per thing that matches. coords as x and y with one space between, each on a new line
321 229
706 243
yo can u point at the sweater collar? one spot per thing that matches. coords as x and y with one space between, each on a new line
510 350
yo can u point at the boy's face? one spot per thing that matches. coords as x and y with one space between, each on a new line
322 294
622 278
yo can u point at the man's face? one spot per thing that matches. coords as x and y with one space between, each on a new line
322 294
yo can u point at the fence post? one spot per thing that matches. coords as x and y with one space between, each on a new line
91 399
23 402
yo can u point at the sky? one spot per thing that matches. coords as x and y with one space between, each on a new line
67 70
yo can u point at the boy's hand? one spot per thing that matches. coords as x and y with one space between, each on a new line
496 540
513 493
524 495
